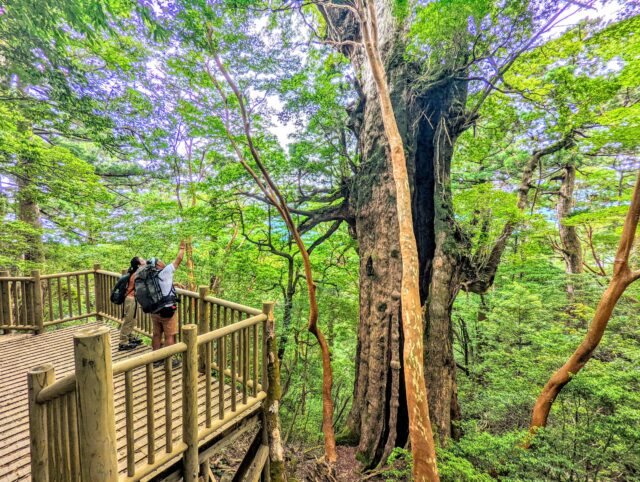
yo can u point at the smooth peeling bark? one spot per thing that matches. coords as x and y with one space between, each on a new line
420 434
621 279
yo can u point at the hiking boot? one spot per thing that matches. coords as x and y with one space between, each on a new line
135 341
126 346
175 363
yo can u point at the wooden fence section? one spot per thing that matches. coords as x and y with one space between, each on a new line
33 303
132 403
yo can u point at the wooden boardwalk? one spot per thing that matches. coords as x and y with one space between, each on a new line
20 354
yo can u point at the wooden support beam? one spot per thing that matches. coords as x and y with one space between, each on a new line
190 402
95 406
37 379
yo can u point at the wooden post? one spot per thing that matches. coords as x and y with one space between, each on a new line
203 323
94 398
97 289
190 402
5 300
37 301
37 379
271 407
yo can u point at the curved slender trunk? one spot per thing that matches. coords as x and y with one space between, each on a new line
420 434
622 278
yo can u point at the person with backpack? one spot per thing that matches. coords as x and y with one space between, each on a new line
156 294
128 341
124 294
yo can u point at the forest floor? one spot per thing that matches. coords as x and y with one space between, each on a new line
306 467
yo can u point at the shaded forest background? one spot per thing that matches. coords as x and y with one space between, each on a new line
117 136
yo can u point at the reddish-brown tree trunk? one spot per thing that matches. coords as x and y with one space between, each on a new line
420 434
275 198
622 277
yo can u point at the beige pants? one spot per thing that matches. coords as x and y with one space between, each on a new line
129 322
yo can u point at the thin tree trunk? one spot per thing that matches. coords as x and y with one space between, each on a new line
420 434
571 246
275 197
621 279
29 212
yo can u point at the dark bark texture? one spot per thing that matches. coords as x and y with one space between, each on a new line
29 211
429 122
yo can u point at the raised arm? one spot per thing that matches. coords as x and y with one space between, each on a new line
178 260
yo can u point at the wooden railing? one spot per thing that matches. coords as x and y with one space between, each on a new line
77 422
33 303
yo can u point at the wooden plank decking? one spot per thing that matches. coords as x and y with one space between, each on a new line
19 355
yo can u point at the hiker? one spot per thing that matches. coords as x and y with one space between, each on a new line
128 341
156 294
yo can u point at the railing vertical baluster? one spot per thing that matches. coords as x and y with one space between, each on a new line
5 318
60 310
203 323
245 363
190 402
233 371
64 433
73 437
218 307
97 290
51 316
255 360
128 408
222 364
37 379
24 310
51 439
78 293
94 392
38 317
69 299
207 384
168 408
151 450
87 299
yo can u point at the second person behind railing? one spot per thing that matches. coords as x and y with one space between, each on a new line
127 340
156 295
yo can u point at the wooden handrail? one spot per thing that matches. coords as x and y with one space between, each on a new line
70 273
232 328
192 294
147 358
60 387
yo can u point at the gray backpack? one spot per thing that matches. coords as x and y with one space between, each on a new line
148 292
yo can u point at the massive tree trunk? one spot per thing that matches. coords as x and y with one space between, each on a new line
428 124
